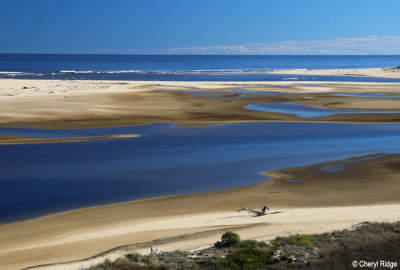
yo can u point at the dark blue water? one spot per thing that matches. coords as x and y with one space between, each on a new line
37 179
181 67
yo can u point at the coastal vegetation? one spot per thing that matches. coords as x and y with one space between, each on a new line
334 250
228 239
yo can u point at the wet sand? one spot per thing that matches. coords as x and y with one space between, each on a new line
113 103
328 196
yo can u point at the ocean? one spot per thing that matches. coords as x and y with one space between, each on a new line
183 67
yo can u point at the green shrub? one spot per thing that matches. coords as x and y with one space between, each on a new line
123 264
247 254
252 244
248 258
301 240
228 239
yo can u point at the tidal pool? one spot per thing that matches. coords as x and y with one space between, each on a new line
372 95
303 110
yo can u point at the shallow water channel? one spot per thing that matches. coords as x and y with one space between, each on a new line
303 110
37 179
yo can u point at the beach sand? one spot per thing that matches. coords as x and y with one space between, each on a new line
326 198
83 104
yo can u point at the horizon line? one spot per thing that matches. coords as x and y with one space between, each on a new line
139 54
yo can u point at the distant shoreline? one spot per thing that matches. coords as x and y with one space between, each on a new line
388 72
189 67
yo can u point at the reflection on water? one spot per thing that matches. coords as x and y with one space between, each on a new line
303 110
37 179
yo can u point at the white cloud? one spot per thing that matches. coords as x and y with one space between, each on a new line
241 49
341 46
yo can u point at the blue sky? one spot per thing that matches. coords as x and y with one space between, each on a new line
200 26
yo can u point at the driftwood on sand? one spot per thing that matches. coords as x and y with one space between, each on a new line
256 213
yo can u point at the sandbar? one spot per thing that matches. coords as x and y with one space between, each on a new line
117 103
5 139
